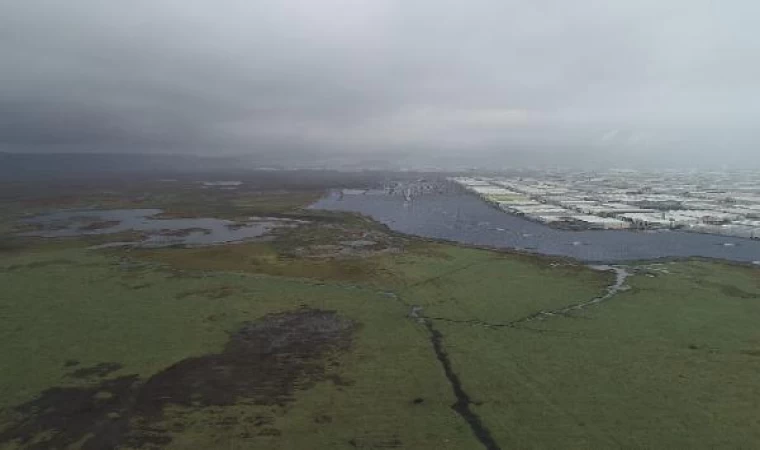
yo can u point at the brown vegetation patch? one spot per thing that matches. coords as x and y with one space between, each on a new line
375 442
216 292
101 370
63 416
330 241
263 363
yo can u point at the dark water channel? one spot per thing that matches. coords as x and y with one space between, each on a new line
464 218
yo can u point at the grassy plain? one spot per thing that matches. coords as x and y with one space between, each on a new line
670 363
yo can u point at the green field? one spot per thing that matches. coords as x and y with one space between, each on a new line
508 198
409 344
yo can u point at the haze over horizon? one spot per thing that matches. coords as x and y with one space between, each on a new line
589 82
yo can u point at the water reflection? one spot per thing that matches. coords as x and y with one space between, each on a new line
464 218
157 232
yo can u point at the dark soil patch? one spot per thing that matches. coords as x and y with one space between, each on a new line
322 419
66 415
183 232
263 363
99 225
101 370
339 381
216 292
270 432
375 443
11 244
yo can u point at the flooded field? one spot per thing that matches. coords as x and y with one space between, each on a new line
157 232
464 218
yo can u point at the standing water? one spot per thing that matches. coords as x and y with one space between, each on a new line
464 218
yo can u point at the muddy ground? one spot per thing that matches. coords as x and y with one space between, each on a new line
99 225
331 241
263 363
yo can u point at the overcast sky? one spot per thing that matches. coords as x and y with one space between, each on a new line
535 79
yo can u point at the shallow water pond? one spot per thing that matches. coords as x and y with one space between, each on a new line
158 232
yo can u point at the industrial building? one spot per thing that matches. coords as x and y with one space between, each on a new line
708 203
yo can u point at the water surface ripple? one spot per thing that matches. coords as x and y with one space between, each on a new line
159 232
465 218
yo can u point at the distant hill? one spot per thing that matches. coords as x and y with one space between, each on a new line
37 166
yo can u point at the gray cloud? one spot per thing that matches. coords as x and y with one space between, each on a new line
591 79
